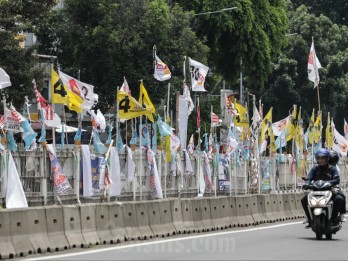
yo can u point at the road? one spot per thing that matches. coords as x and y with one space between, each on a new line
281 241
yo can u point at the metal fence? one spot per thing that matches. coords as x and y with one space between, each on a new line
273 175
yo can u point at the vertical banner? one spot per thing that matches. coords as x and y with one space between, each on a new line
183 118
154 177
61 183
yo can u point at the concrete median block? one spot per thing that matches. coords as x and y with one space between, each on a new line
206 215
20 229
55 228
178 221
88 224
300 211
234 219
288 206
103 226
220 212
252 200
197 214
167 217
143 219
130 221
262 209
278 207
154 215
118 227
6 248
244 211
72 226
187 216
38 230
268 206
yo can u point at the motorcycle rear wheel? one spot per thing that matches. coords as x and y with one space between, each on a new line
328 236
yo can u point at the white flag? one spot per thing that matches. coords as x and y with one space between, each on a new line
198 74
162 72
340 144
125 87
84 90
4 79
313 66
279 126
130 166
115 173
15 196
13 120
154 177
345 129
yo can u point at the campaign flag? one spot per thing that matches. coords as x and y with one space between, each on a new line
313 66
198 74
144 99
130 165
329 135
130 108
279 126
340 144
15 196
266 123
162 72
215 119
84 90
4 79
60 181
13 120
62 94
281 140
242 117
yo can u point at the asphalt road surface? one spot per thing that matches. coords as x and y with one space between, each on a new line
280 241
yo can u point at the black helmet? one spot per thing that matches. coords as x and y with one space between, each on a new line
334 157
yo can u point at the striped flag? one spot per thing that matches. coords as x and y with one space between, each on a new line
215 120
43 104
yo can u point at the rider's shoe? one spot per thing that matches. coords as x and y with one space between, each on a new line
342 218
308 226
305 221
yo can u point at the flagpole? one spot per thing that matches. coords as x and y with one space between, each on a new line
168 99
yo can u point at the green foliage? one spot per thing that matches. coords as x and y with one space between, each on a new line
19 63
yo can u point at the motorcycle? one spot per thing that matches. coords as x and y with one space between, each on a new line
320 208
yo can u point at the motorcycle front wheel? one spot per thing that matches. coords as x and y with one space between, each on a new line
317 225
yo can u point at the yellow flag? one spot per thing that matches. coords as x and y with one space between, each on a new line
317 129
242 119
273 147
266 123
63 95
129 107
329 133
144 99
310 128
299 132
291 125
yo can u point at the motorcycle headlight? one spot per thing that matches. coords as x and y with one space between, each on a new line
323 201
313 202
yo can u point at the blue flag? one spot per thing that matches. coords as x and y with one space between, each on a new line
108 141
98 145
28 135
11 143
43 129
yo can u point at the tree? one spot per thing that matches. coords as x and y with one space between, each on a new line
17 17
254 32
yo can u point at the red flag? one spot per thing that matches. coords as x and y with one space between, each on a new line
214 118
43 104
198 116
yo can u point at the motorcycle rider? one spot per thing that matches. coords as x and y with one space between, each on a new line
327 172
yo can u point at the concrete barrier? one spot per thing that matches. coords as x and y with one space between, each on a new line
197 215
206 215
88 224
244 212
262 208
277 207
6 248
220 212
234 218
166 216
143 219
154 215
103 224
178 221
288 202
118 226
20 232
252 200
55 227
268 206
72 226
130 221
187 216
298 197
37 222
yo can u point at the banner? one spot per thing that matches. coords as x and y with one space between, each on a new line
61 183
144 99
242 119
130 165
13 120
115 173
340 144
86 172
15 196
129 108
198 74
183 119
313 66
